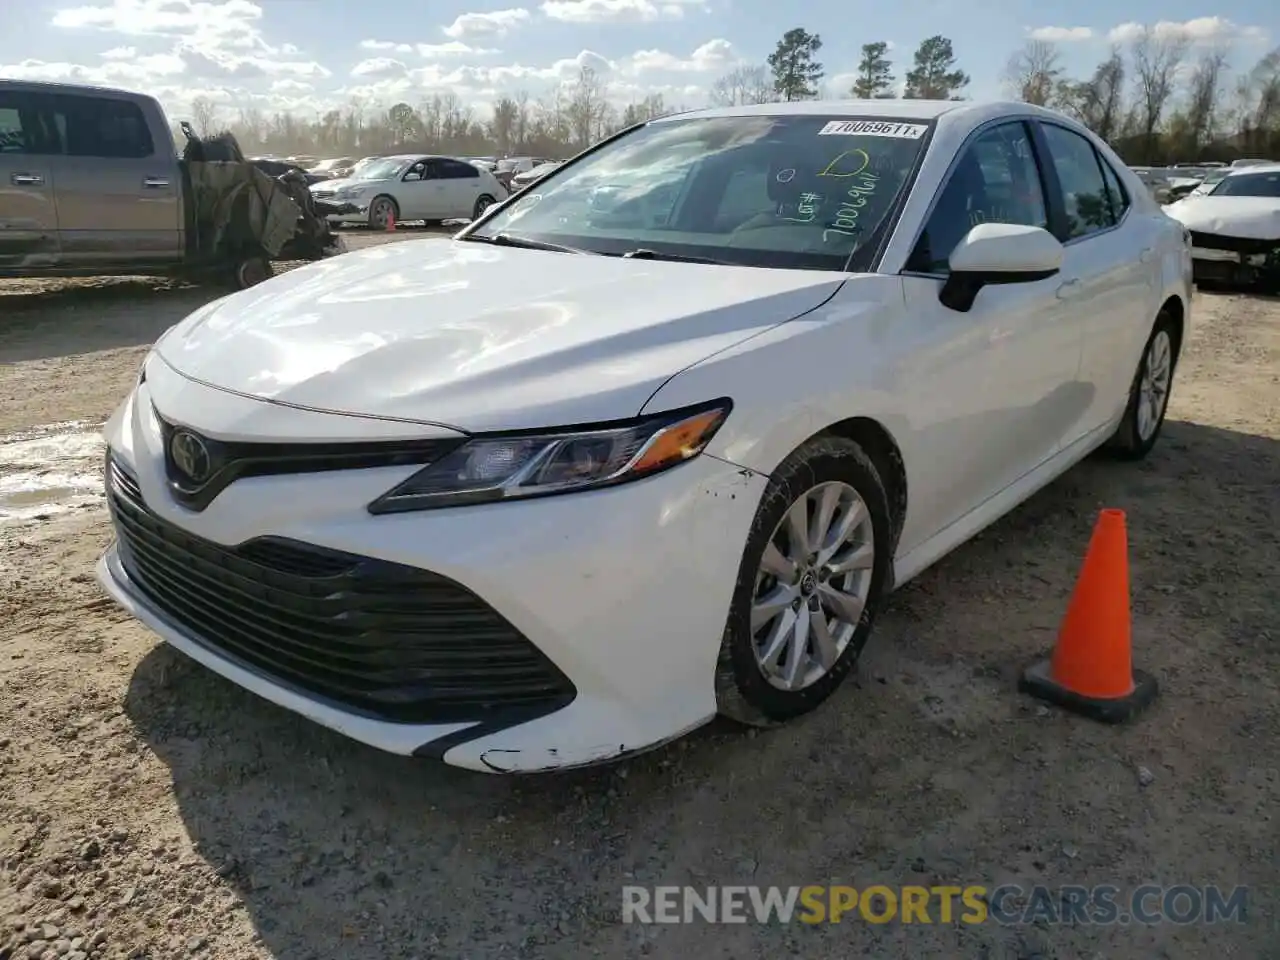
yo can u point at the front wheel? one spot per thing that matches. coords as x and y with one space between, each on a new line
811 580
251 272
382 213
482 204
1148 396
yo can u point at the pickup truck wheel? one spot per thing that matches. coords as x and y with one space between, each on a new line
251 272
382 211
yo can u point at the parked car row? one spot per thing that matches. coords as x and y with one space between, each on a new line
1235 227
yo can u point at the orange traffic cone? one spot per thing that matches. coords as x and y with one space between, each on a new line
391 221
1091 671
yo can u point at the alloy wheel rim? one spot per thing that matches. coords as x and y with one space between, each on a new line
1153 388
812 585
381 211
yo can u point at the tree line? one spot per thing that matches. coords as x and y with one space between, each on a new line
1155 99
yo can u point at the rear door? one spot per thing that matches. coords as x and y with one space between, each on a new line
462 187
28 217
1107 268
119 199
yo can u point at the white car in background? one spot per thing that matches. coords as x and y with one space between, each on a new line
1235 228
413 187
565 486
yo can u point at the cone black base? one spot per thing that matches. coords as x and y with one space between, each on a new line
1038 682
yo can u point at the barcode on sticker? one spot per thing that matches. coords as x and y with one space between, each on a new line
873 128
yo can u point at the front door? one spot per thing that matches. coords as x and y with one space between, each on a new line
28 218
997 390
422 192
119 199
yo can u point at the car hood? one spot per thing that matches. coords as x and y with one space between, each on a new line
1249 218
338 183
477 337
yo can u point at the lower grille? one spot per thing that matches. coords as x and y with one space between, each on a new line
389 641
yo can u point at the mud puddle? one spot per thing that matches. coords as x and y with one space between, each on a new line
49 470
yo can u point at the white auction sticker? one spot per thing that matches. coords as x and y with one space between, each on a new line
873 128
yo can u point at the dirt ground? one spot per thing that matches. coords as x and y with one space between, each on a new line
150 809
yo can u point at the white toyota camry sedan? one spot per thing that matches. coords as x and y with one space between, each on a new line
650 441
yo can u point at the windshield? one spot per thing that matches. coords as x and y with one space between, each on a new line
1250 185
379 169
805 192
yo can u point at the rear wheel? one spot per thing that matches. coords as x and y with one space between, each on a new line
811 580
1149 395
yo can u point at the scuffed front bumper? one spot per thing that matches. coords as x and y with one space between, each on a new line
1234 260
624 590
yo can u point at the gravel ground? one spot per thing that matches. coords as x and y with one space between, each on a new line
150 809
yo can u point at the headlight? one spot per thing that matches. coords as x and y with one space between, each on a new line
516 466
349 193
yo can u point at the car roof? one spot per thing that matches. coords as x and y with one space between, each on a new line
1256 168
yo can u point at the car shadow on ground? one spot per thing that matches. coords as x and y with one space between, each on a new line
927 768
66 318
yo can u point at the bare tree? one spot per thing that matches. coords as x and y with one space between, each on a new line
204 116
1098 102
741 86
1034 73
1258 119
1204 91
1156 60
587 108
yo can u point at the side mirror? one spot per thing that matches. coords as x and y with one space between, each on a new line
998 253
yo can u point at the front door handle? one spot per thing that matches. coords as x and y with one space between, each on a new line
1147 255
1068 289
155 183
26 179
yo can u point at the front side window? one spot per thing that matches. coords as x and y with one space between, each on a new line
1084 192
995 179
14 137
804 192
1249 185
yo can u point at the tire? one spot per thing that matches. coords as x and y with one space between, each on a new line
380 209
483 203
251 272
748 690
1140 428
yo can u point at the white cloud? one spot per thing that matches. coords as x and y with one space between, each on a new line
1061 34
223 23
1198 30
498 23
715 54
454 48
380 68
388 45
612 11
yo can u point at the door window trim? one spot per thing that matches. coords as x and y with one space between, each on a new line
1060 196
1028 122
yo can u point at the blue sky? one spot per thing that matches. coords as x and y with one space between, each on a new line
311 55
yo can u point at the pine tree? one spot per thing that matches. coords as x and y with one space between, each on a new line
796 71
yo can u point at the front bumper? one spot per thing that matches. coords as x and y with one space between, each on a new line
624 590
1234 260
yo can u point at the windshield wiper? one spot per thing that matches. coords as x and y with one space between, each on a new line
524 243
644 253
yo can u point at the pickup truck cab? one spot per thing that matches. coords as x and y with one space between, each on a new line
89 182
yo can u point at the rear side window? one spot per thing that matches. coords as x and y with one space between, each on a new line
1084 191
102 127
456 170
1117 196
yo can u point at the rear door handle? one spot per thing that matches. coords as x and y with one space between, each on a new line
155 183
1068 289
26 179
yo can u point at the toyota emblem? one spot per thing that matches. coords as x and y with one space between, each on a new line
190 456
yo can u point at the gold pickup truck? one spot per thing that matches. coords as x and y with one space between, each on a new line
91 184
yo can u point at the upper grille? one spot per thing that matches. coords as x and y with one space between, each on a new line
382 639
231 461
